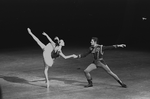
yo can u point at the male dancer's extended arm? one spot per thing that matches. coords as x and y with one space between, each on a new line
113 46
84 54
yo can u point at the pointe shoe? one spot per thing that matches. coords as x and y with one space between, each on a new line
47 84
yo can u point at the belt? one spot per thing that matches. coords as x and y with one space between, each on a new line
99 59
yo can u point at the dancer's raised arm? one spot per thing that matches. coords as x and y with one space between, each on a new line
51 41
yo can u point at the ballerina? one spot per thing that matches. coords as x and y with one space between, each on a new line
50 52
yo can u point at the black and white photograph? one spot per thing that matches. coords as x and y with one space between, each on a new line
74 49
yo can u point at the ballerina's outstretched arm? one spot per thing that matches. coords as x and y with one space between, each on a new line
68 56
51 41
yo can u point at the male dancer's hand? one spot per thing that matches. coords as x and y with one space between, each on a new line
121 45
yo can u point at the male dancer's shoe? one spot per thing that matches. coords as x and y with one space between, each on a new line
90 83
122 84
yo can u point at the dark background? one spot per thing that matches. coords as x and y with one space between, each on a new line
75 21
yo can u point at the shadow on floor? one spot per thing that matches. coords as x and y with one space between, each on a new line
1 94
14 79
66 81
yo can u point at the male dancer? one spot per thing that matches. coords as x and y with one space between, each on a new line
98 51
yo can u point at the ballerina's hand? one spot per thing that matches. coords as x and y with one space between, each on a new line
74 56
56 38
29 30
44 33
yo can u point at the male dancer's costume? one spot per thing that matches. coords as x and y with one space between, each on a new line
98 52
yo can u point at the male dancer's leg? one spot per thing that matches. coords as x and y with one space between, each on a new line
88 70
107 69
87 74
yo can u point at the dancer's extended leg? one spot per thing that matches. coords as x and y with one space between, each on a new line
87 74
107 69
36 39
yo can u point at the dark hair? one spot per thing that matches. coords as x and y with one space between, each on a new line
95 39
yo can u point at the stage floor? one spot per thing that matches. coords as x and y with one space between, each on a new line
22 77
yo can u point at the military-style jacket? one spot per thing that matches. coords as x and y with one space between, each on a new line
97 51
